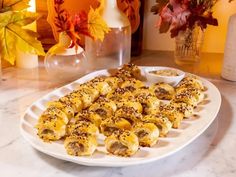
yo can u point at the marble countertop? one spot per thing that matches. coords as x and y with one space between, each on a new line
212 154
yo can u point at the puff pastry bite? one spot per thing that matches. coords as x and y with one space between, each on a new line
82 127
74 101
132 84
93 92
66 108
149 103
109 126
191 96
131 104
174 116
186 109
120 94
104 109
85 95
161 121
191 81
80 145
128 71
101 85
163 91
52 124
128 113
122 143
147 133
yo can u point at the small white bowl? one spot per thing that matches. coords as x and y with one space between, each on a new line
172 80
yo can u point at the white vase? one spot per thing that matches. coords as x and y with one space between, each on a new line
229 66
115 49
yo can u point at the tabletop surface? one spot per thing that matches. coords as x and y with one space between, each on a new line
212 154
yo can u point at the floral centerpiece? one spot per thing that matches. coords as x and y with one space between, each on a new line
13 34
66 59
186 20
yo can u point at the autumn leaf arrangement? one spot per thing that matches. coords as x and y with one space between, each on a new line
180 15
89 24
13 34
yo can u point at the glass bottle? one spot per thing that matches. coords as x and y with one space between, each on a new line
115 49
65 63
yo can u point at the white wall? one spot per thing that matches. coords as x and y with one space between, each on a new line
214 36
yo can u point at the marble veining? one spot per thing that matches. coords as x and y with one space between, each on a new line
212 154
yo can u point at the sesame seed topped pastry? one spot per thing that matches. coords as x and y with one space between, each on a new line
128 113
191 81
80 145
186 109
109 126
101 85
163 91
161 121
130 104
120 94
66 108
82 127
132 84
122 143
104 109
52 124
191 96
149 103
147 133
128 71
174 116
74 101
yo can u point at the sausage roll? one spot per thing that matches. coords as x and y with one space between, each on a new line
120 94
163 91
82 127
52 124
184 108
66 108
122 143
189 95
102 86
172 114
191 81
147 133
161 121
132 84
80 145
149 103
131 104
74 101
109 126
128 113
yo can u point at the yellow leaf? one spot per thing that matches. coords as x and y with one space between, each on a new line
6 47
13 36
16 5
96 25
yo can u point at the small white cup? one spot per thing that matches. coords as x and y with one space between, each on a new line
172 80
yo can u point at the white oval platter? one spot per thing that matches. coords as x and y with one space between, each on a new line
176 140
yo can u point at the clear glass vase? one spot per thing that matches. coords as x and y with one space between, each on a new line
64 62
188 46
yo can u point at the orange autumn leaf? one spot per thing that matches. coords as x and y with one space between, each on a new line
96 25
